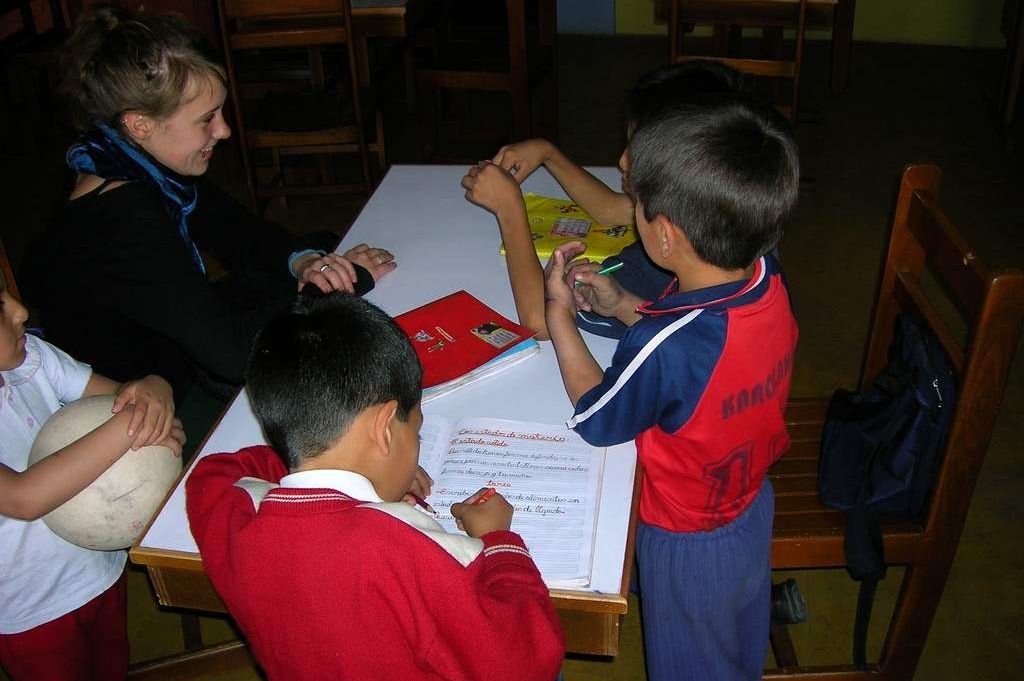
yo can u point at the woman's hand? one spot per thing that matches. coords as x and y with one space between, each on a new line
492 187
522 158
330 272
376 260
153 410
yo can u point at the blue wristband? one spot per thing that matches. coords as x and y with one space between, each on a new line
298 254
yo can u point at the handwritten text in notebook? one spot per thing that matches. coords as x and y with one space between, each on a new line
550 475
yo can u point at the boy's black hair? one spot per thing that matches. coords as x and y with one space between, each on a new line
726 171
316 367
678 84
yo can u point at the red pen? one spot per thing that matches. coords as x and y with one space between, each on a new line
487 494
424 505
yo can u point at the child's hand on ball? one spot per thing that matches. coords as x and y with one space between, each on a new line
176 440
153 417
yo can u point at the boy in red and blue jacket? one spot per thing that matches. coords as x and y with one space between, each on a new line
700 378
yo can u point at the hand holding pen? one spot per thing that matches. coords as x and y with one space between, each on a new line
420 489
596 291
483 512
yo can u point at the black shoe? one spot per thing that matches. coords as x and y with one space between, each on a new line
788 605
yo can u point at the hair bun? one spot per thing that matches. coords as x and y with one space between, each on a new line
105 18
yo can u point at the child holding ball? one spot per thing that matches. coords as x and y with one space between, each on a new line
62 607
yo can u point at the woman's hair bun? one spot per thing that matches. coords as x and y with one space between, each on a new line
116 61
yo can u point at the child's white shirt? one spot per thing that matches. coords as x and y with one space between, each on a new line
42 577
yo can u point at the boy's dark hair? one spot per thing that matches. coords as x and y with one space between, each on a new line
678 84
726 171
316 367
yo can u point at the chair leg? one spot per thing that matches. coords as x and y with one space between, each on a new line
521 128
426 99
381 147
912 617
191 631
842 41
673 32
409 66
782 646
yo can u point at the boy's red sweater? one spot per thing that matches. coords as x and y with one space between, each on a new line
328 587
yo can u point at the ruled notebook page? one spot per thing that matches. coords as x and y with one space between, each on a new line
548 473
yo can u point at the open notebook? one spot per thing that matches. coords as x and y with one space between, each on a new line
548 473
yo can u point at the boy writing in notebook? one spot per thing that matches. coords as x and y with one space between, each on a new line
326 571
494 185
699 379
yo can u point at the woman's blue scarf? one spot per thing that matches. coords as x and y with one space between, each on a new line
106 154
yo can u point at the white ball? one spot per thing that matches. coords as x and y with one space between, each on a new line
111 512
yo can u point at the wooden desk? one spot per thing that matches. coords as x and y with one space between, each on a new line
442 244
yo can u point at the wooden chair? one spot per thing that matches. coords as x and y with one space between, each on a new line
773 16
284 118
808 535
519 60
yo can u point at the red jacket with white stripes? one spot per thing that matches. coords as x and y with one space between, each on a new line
325 586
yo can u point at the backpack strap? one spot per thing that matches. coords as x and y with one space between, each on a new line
865 557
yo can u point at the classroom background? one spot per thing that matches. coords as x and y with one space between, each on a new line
923 86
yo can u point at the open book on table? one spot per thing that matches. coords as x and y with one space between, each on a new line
548 473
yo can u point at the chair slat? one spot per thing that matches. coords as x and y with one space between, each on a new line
294 37
954 261
262 9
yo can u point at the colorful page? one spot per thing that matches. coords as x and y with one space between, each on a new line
554 222
548 473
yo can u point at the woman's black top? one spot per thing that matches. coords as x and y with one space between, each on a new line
118 287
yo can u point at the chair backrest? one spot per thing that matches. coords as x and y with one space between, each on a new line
20 13
276 24
257 24
740 13
991 305
5 266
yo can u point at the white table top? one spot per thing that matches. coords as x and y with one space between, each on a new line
442 243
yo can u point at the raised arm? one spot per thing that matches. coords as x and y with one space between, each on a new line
593 196
490 187
580 371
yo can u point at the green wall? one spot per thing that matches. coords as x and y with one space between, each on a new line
968 23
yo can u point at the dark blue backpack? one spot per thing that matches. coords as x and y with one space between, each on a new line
880 453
